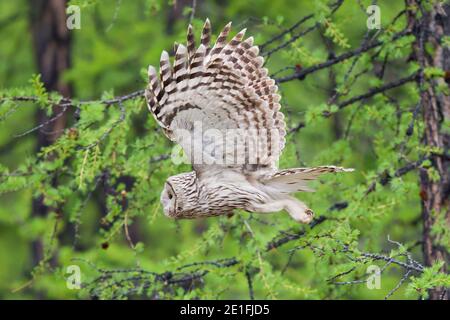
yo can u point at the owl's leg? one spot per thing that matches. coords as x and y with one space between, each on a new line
297 209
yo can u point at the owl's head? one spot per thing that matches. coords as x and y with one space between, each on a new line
180 197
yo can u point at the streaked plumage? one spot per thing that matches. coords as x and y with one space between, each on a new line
225 91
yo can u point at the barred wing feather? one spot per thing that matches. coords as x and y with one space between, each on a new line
225 90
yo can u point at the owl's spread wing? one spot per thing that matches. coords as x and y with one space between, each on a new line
212 96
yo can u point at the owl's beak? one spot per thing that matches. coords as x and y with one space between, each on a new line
169 213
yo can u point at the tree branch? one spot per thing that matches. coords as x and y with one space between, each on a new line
304 72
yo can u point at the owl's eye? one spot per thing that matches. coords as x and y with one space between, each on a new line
170 195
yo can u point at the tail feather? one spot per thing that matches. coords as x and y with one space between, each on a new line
294 180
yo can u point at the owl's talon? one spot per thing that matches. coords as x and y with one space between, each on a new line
306 216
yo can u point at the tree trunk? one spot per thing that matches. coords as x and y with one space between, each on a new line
52 43
430 27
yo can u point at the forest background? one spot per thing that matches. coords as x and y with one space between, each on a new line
82 162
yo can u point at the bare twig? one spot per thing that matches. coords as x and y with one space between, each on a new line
294 38
304 72
250 284
403 279
282 34
375 91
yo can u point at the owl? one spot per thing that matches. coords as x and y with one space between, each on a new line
221 106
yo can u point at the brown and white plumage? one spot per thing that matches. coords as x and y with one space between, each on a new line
226 92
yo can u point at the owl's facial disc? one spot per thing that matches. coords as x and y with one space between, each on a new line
169 200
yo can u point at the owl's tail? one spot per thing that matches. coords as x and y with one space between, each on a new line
296 179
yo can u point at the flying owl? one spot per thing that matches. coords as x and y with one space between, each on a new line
220 105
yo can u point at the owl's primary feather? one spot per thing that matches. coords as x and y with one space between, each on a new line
225 91
224 87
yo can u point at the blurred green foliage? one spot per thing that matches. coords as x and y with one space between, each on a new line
110 173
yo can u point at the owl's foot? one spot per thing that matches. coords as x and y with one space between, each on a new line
296 209
305 216
299 211
310 215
